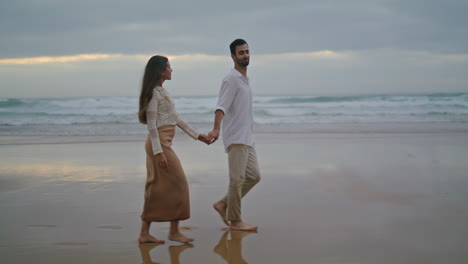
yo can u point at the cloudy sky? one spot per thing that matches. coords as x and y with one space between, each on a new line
59 48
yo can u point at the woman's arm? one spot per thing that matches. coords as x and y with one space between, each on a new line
151 124
192 132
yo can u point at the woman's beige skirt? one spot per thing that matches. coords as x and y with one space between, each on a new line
166 190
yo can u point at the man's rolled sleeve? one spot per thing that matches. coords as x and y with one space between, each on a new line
218 107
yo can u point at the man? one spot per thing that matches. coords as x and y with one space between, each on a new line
234 109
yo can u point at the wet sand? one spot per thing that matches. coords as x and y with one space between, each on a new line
374 195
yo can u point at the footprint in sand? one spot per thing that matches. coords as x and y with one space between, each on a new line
41 226
182 228
110 227
71 244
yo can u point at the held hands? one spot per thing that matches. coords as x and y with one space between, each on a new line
213 135
210 138
204 138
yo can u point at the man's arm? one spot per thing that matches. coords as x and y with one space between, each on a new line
226 96
214 134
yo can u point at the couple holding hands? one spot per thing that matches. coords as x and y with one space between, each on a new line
166 189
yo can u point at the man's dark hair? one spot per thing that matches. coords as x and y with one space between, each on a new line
236 43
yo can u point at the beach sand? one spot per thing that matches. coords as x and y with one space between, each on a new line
338 194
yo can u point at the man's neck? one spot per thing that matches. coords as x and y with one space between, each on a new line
241 69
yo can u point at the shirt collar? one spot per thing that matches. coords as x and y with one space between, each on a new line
237 73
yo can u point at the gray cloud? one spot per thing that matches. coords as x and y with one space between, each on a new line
53 27
380 46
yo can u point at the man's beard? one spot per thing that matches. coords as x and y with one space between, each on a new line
243 63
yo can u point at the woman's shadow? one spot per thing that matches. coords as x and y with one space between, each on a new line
231 249
174 252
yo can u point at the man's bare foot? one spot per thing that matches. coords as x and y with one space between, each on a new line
147 238
179 237
221 209
241 226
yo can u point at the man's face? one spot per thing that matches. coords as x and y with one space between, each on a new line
242 56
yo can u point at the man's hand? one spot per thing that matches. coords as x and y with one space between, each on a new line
214 135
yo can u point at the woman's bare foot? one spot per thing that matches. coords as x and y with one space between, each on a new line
179 237
147 238
241 226
220 207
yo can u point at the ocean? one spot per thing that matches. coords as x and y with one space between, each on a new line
118 115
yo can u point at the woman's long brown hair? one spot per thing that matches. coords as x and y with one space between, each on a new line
154 68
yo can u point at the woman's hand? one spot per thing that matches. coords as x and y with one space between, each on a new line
161 158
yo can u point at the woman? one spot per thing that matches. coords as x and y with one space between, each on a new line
166 189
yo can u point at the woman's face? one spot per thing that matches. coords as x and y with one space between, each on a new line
167 74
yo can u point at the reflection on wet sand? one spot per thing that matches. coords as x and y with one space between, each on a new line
174 252
231 250
145 252
62 171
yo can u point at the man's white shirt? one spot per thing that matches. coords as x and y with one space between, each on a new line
235 100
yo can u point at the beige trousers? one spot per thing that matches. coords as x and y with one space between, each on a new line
243 175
